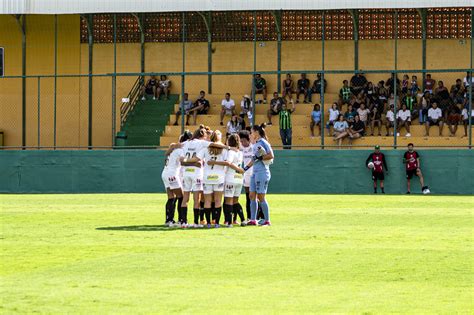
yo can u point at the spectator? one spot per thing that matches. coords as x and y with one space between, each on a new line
363 114
453 118
376 118
150 87
350 114
184 108
358 83
228 107
163 87
345 94
457 92
425 104
233 126
442 96
390 82
201 106
357 129
390 120
429 84
341 129
260 87
333 117
275 106
302 88
288 87
435 116
285 125
405 84
410 101
414 85
371 95
382 92
317 87
404 119
315 119
468 80
246 107
465 118
358 100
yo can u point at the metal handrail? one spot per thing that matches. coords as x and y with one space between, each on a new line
133 96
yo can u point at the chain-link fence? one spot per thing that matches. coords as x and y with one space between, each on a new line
404 74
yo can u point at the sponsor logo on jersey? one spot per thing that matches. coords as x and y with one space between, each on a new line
190 170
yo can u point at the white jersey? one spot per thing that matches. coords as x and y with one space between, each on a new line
231 176
213 174
190 150
173 164
247 153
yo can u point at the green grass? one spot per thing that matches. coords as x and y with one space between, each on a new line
344 254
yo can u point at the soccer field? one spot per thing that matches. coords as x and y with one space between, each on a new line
363 254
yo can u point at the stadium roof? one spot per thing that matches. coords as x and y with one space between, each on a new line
129 6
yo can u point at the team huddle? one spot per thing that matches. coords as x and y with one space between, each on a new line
214 173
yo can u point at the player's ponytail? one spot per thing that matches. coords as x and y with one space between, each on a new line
187 135
199 133
261 131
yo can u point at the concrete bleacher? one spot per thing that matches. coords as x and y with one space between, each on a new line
301 132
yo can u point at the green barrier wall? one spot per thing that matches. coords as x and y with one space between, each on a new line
332 171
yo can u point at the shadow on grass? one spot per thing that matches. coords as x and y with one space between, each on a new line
145 228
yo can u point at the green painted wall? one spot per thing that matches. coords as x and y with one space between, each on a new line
333 171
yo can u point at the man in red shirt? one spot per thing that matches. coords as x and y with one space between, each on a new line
378 158
411 159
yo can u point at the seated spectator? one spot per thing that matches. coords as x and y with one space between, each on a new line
405 83
410 101
275 107
315 119
429 84
371 95
435 118
390 120
457 92
404 119
465 118
333 116
357 129
246 107
358 83
228 107
302 88
345 94
184 107
363 114
453 118
442 96
341 129
260 87
234 125
285 125
468 80
425 104
350 114
317 87
382 92
163 87
391 81
288 87
414 85
150 87
358 100
200 107
376 118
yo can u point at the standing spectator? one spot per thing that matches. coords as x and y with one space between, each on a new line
275 106
425 104
163 87
288 87
150 87
184 108
414 85
390 120
410 101
405 84
317 87
404 119
345 94
429 84
285 125
442 96
260 87
363 114
233 126
457 92
357 129
349 115
371 94
391 81
435 116
246 107
315 119
333 117
358 83
376 118
411 159
302 88
228 107
468 80
453 118
382 92
378 158
341 129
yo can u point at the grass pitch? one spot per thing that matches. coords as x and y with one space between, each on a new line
362 254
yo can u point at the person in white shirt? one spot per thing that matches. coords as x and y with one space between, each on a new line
435 117
390 120
228 107
468 80
404 119
465 118
163 87
333 116
363 113
172 180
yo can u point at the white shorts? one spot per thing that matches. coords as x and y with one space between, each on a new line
171 181
232 190
192 184
247 176
210 188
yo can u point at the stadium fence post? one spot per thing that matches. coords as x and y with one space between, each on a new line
469 114
277 18
21 20
114 81
183 78
355 22
90 41
252 121
322 79
394 79
55 95
423 14
39 112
